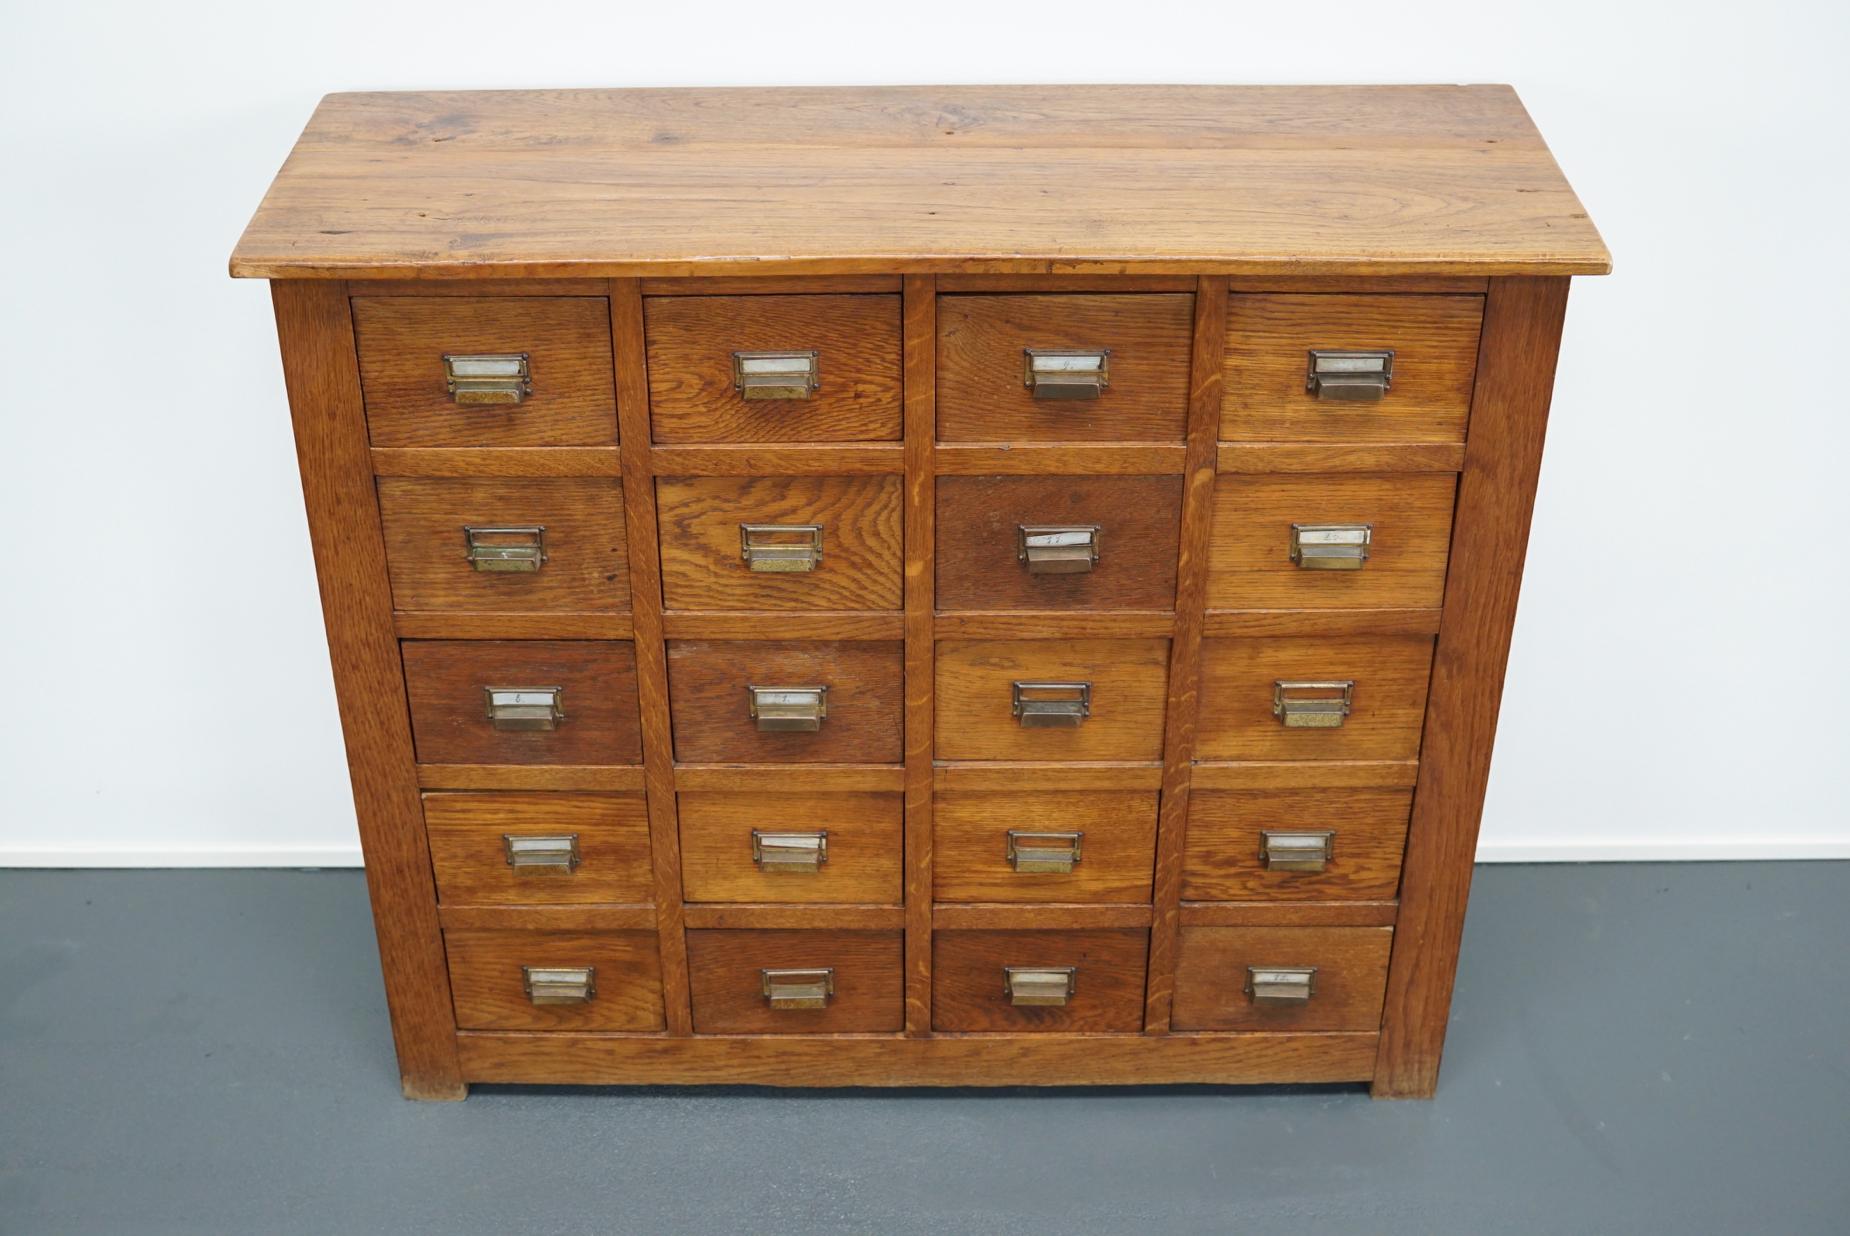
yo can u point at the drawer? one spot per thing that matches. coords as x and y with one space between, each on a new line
1215 991
511 546
593 684
970 980
1330 542
694 389
1240 689
1267 367
710 698
1124 683
570 398
778 847
780 542
820 982
1001 545
1044 846
490 973
539 849
1348 847
984 394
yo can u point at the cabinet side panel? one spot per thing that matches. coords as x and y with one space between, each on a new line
321 371
1496 494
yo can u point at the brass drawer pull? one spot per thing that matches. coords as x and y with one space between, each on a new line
514 709
1040 986
541 853
1295 851
559 984
512 548
1043 705
798 989
776 375
1281 984
1066 373
1330 547
767 547
1312 705
1051 853
502 377
1057 549
1356 375
798 853
788 709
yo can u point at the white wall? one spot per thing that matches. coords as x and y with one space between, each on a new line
1678 686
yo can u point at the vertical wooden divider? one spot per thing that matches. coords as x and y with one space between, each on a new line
1490 535
322 373
921 364
629 349
1204 405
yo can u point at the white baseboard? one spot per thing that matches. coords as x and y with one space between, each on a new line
1496 852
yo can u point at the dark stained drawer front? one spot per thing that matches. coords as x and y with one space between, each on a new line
784 542
1251 978
1044 846
781 847
971 983
569 397
505 546
556 701
539 849
1086 699
984 388
796 982
532 980
695 390
1330 541
1280 699
711 701
1058 542
1295 845
1267 368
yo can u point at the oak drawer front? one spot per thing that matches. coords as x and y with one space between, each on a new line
694 380
971 983
1217 987
984 391
529 980
778 847
570 399
585 689
796 982
1044 846
711 701
1058 542
539 849
1330 542
780 542
1251 689
1295 845
505 546
1104 698
1267 367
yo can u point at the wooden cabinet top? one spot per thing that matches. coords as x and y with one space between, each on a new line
1238 180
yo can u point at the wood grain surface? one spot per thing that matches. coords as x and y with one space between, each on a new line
587 563
1117 845
1222 861
981 393
864 839
449 717
968 992
691 392
403 340
1262 180
707 683
978 564
862 546
470 858
724 973
1237 677
974 694
485 972
1211 962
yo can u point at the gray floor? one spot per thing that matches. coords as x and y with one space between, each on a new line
1634 1049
